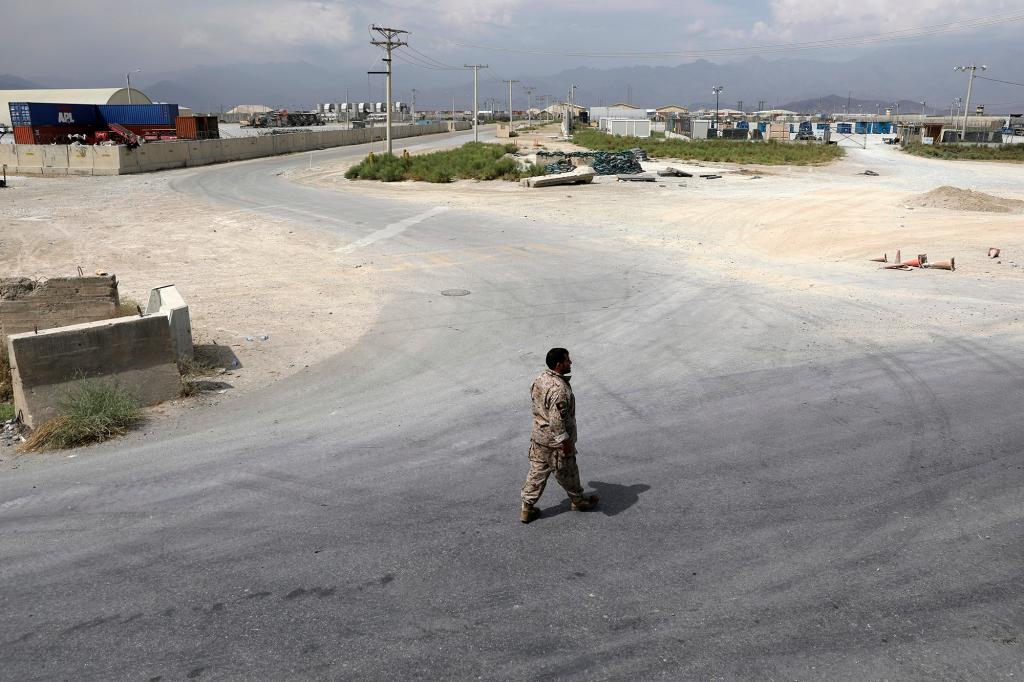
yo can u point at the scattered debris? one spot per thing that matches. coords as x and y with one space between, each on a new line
637 177
710 176
581 175
455 292
602 163
671 172
895 266
883 259
870 173
993 252
941 265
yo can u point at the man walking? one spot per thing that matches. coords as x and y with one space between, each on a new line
553 440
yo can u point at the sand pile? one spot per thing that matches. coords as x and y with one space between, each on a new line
957 199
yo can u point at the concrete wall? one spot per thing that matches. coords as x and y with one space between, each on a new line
133 352
29 159
167 301
26 305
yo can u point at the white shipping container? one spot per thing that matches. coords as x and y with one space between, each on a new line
629 127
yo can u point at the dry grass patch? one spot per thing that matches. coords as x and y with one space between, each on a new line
91 412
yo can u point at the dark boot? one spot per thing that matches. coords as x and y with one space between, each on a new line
585 502
528 513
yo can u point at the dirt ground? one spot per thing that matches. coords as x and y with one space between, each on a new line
247 277
254 285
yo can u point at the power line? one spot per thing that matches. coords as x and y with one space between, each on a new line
996 80
848 41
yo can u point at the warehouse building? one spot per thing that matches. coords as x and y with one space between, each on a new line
70 96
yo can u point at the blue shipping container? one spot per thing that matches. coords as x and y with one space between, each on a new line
139 114
47 114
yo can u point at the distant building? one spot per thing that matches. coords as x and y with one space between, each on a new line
250 109
662 113
619 110
69 96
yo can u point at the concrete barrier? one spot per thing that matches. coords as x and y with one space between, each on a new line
30 159
9 156
107 159
167 300
81 159
117 160
26 305
133 352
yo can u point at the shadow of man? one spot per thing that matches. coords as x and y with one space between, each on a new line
617 498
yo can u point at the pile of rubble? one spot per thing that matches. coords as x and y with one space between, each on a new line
603 163
11 435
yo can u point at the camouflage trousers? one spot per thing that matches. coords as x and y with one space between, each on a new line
545 461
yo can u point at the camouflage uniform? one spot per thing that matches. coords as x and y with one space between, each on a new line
554 422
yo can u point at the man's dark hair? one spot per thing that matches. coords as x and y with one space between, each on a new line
555 356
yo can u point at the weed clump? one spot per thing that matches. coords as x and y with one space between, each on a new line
92 411
6 388
1003 152
722 151
474 160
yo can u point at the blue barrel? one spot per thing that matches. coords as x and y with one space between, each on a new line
743 125
48 114
762 126
139 114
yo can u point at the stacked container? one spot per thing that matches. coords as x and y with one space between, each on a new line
45 123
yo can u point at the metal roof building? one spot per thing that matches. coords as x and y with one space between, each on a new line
70 96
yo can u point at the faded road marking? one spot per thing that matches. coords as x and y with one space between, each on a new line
391 230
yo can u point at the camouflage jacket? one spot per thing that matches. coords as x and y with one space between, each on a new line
554 410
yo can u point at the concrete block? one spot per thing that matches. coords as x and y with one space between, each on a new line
106 159
81 159
26 305
167 300
30 159
55 159
9 156
133 352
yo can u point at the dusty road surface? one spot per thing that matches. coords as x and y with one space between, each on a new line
810 469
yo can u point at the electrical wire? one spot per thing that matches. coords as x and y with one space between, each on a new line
996 80
848 41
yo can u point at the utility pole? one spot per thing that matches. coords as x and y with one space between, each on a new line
510 103
453 108
389 43
970 84
413 104
529 105
717 90
476 107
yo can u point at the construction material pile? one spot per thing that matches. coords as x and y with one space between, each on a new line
562 166
603 163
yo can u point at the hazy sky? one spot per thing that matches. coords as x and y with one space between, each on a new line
67 39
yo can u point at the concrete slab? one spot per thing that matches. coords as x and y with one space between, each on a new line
134 352
167 300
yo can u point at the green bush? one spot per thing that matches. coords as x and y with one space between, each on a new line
474 160
723 151
92 411
6 412
1003 152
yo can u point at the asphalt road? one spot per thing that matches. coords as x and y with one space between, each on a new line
779 502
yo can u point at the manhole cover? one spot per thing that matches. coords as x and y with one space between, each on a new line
455 292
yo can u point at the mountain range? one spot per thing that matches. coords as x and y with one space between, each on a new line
873 79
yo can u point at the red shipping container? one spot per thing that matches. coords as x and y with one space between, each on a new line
23 135
186 127
55 134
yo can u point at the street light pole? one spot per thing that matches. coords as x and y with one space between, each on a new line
476 107
128 79
970 84
717 90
